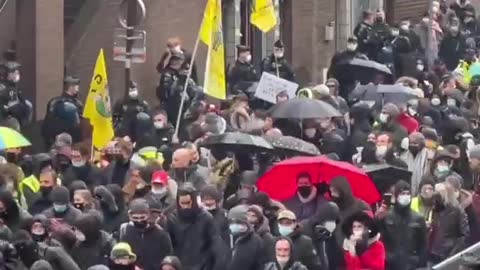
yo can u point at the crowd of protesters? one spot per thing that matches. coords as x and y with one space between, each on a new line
156 200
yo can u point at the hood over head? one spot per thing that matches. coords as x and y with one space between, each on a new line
106 199
41 265
90 224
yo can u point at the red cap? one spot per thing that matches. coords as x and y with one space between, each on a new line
160 177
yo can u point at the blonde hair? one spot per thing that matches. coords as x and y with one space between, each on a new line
447 193
87 196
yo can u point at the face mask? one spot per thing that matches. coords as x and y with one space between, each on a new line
351 47
468 19
304 191
404 200
160 191
411 111
425 20
177 49
59 208
442 169
395 32
310 132
451 102
236 228
330 226
39 237
38 231
278 54
435 101
454 29
324 124
414 149
457 194
248 58
282 261
420 67
133 94
435 9
79 206
381 151
404 27
46 191
79 235
383 118
284 230
140 224
210 208
78 164
357 232
159 124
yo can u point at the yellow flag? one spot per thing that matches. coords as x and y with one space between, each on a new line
97 107
263 15
211 33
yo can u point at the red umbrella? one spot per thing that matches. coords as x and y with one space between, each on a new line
280 181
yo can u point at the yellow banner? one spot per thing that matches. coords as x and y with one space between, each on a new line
263 15
211 33
97 107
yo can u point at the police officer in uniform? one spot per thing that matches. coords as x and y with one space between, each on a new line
276 63
15 110
64 113
243 74
125 111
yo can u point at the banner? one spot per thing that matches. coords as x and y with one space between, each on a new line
270 86
211 33
263 15
97 106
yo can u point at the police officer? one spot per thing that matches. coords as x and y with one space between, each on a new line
15 110
125 111
277 64
243 74
64 113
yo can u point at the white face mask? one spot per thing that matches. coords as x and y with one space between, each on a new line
357 233
160 191
383 118
404 200
282 260
325 124
210 208
79 235
457 194
451 102
78 164
248 58
425 20
278 54
420 67
411 111
177 49
395 32
159 124
133 93
435 9
404 27
435 101
310 132
381 151
330 226
40 231
351 46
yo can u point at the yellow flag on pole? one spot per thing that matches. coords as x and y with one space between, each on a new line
263 15
211 33
97 107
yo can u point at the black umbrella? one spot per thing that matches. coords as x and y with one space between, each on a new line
304 108
362 70
384 175
385 93
292 144
236 141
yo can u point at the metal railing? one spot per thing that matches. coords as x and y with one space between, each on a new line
455 261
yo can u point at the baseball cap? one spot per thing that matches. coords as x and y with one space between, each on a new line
287 214
160 177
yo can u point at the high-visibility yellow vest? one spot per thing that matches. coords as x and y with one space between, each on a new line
30 182
464 68
415 206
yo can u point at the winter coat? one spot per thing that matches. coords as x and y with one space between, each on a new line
452 49
398 132
449 232
247 253
114 214
90 174
89 253
150 245
221 221
373 258
285 70
156 137
263 230
404 234
408 122
69 216
40 204
294 266
367 40
116 173
304 250
191 174
57 257
197 244
241 76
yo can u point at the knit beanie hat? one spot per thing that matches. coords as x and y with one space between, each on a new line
238 214
391 109
122 250
139 206
60 195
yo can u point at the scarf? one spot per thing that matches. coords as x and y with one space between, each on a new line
418 165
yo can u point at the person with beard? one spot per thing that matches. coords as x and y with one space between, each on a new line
321 228
303 248
305 202
211 200
118 171
423 202
183 170
385 151
246 247
276 63
122 258
416 159
112 206
342 195
32 167
62 210
82 169
270 208
388 123
83 200
93 245
243 74
449 225
149 241
260 225
30 252
404 233
160 192
283 256
348 54
48 180
195 238
10 213
452 47
162 132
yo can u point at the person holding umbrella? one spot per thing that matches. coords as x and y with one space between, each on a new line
305 202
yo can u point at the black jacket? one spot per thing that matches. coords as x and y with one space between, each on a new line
57 257
367 40
196 243
69 216
343 57
285 71
150 245
304 250
293 266
247 253
241 76
452 49
221 221
404 235
87 254
40 204
90 174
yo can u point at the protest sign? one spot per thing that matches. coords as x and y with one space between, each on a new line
270 85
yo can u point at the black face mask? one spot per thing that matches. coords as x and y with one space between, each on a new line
46 191
304 191
321 233
414 149
379 20
11 157
188 213
141 225
4 215
114 266
79 206
39 237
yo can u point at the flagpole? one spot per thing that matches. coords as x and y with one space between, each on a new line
184 93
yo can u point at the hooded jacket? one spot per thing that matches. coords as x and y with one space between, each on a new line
41 265
57 257
247 252
304 250
96 247
69 216
90 174
112 207
292 263
191 175
150 245
15 215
